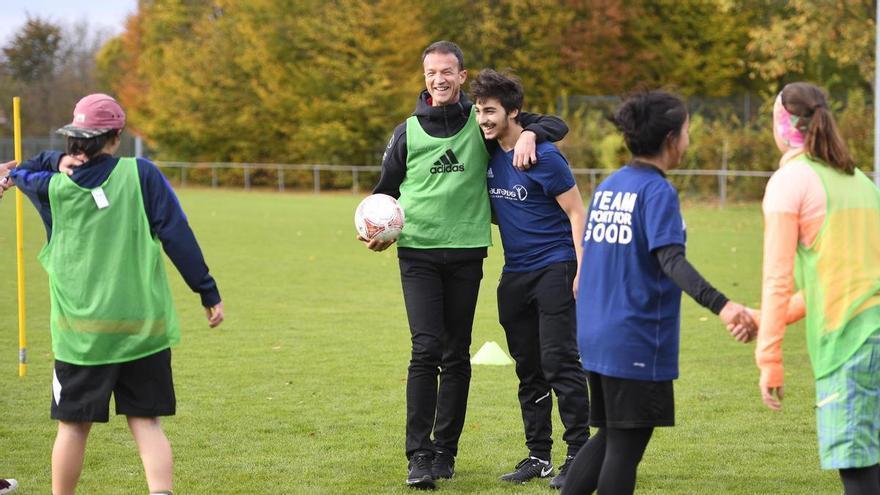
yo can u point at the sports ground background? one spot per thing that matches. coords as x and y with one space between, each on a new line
302 389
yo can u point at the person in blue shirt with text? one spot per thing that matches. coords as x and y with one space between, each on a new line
540 214
629 299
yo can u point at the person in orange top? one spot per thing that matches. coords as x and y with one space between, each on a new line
822 234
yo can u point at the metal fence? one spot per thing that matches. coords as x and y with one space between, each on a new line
30 146
280 176
723 184
360 179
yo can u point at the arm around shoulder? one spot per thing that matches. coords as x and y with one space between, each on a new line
546 127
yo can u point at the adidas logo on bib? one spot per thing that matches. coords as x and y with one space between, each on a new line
448 162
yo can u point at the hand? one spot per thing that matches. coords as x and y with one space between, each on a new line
755 314
524 151
756 317
70 162
6 181
376 244
739 322
574 285
215 315
772 397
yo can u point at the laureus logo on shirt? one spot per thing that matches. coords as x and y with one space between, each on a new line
517 193
448 162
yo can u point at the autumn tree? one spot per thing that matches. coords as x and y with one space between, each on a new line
267 81
830 42
315 81
50 67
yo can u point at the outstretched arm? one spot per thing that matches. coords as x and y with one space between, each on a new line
675 265
32 178
777 304
170 225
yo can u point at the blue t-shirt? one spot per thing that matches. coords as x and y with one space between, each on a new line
535 231
627 308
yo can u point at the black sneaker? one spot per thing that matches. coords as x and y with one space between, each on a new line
8 485
559 480
420 471
527 469
443 466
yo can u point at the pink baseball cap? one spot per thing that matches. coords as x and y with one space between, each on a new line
94 115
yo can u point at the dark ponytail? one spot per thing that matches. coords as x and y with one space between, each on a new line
647 119
90 147
822 139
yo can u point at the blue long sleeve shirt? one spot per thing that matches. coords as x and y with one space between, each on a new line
166 217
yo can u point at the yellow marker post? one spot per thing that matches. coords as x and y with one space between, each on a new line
19 242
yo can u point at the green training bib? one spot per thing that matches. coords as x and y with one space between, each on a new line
444 194
110 297
840 272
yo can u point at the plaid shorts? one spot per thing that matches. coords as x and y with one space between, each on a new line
848 410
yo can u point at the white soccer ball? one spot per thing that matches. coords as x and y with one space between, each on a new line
379 216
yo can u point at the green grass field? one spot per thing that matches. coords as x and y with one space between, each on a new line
302 388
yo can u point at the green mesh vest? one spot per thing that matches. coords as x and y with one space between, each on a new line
444 194
840 272
109 292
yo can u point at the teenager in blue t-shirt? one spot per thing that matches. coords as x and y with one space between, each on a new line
633 272
540 214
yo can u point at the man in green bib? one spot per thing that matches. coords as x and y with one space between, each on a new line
112 315
436 164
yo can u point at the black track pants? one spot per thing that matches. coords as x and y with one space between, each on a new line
537 311
440 301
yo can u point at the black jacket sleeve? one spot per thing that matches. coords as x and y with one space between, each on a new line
393 164
546 127
676 266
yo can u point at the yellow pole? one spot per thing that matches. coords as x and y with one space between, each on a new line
19 242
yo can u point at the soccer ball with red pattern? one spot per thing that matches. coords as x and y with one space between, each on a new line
379 216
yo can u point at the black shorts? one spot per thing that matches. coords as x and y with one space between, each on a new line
142 388
625 404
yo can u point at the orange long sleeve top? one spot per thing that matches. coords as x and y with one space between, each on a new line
794 207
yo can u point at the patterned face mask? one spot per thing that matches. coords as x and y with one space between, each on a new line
785 125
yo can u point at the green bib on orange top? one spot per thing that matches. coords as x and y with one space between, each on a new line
110 297
444 194
840 272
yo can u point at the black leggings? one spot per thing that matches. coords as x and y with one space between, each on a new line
861 481
608 462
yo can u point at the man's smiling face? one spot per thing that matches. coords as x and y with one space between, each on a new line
443 78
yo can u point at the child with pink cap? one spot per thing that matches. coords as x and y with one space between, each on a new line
112 316
822 235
